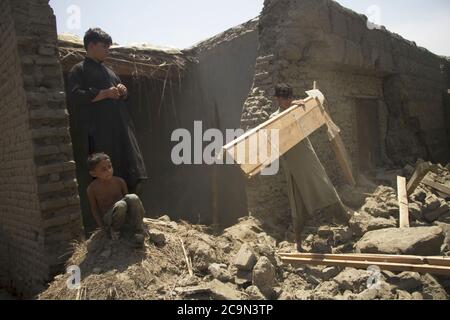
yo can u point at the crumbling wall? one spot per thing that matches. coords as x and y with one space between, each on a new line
39 205
302 41
213 91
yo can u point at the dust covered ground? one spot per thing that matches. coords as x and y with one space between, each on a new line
184 261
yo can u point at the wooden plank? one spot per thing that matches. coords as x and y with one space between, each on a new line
430 182
403 202
294 125
343 159
422 268
421 170
438 260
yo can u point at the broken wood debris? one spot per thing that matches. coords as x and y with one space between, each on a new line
433 265
421 171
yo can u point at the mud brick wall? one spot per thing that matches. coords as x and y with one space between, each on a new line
302 41
39 204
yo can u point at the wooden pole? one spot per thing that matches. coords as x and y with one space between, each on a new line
403 202
422 268
441 261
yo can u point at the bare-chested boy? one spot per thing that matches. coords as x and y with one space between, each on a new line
113 208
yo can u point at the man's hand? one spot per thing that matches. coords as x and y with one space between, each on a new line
298 103
112 93
123 91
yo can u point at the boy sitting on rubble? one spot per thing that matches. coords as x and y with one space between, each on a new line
113 208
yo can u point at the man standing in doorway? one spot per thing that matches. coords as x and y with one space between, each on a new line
97 98
310 190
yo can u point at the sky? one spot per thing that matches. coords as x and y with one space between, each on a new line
182 23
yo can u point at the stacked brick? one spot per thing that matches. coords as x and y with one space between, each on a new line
39 205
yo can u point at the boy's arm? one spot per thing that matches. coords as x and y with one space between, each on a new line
123 187
79 95
94 208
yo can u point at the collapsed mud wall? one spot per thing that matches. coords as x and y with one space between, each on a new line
212 91
39 204
367 74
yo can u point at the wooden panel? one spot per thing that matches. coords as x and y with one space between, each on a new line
403 202
294 125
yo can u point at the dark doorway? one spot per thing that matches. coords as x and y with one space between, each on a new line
368 131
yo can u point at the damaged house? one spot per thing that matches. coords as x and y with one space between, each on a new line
388 96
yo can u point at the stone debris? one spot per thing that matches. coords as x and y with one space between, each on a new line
242 262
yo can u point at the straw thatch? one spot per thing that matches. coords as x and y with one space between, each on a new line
140 61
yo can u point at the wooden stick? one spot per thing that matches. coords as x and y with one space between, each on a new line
441 261
189 266
403 202
442 270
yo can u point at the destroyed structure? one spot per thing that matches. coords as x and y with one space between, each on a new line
388 96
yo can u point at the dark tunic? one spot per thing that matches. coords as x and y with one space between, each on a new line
103 126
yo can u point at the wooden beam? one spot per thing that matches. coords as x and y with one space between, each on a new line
421 170
438 260
422 268
430 181
403 202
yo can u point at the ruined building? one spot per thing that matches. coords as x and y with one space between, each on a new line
389 97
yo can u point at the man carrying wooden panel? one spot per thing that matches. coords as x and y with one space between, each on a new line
310 190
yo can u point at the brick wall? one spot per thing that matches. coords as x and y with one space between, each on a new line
302 41
39 204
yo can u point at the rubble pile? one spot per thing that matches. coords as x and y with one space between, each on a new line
184 261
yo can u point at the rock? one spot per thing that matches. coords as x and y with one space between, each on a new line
342 235
320 245
203 255
245 259
434 215
264 277
376 208
368 294
254 293
325 232
362 223
352 279
221 291
423 241
266 251
416 296
157 237
303 295
329 273
326 291
165 218
432 289
219 272
431 203
404 295
243 278
286 296
419 195
415 210
407 281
